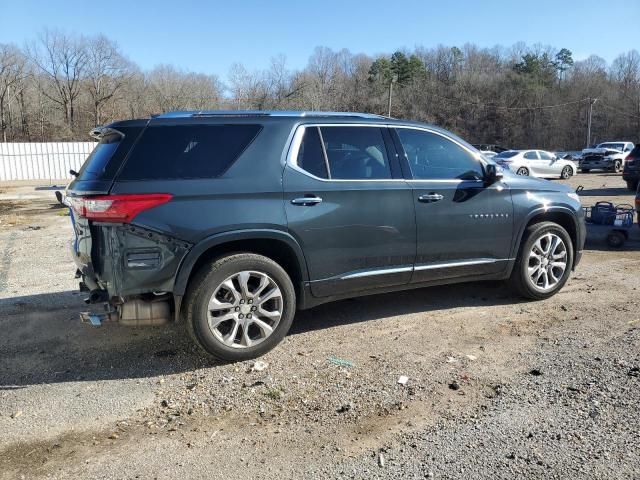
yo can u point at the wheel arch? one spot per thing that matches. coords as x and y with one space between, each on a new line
572 166
276 245
561 215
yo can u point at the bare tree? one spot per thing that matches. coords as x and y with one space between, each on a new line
107 71
12 73
202 91
62 59
173 89
248 90
520 96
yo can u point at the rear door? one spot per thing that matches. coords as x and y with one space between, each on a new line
349 208
464 227
532 162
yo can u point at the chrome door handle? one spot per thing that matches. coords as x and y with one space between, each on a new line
430 198
307 201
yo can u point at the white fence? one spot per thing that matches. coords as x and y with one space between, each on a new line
42 161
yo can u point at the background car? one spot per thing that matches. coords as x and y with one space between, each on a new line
573 155
608 156
638 204
536 163
489 147
488 153
631 172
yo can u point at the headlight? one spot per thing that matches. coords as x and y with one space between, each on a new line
574 196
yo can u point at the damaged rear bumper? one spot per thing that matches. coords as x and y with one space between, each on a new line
130 267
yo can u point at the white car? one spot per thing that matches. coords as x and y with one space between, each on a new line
536 163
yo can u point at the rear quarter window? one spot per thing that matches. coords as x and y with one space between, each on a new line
187 151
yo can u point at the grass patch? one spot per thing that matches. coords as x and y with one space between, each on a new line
274 393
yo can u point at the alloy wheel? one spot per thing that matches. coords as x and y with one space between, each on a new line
522 171
547 262
617 166
566 172
245 309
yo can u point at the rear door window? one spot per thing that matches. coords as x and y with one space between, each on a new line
531 155
356 153
187 151
311 156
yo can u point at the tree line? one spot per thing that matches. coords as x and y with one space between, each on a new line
59 86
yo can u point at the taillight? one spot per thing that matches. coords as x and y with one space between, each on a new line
117 208
630 158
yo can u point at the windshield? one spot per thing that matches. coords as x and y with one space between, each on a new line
613 146
507 154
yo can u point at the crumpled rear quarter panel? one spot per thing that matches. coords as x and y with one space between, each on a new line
131 260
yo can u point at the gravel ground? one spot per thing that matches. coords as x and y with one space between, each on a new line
497 387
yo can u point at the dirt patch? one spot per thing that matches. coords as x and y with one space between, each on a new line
117 402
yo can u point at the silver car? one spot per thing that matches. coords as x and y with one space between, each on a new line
536 163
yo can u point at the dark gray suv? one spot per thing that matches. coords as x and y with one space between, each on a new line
233 220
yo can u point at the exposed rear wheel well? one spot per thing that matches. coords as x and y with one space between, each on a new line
278 251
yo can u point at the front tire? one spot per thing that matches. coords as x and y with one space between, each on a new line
566 173
240 306
544 261
633 186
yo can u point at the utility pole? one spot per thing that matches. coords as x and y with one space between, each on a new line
592 101
394 79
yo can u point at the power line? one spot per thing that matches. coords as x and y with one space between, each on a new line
539 107
619 111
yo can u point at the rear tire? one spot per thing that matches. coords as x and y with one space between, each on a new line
523 171
526 262
617 166
633 186
218 285
616 239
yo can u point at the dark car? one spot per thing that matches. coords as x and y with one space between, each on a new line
491 147
638 204
631 172
233 220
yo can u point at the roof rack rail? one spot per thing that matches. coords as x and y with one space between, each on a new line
263 113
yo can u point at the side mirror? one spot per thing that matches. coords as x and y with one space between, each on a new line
491 174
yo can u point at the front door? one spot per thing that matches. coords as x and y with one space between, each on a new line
548 166
464 227
349 208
